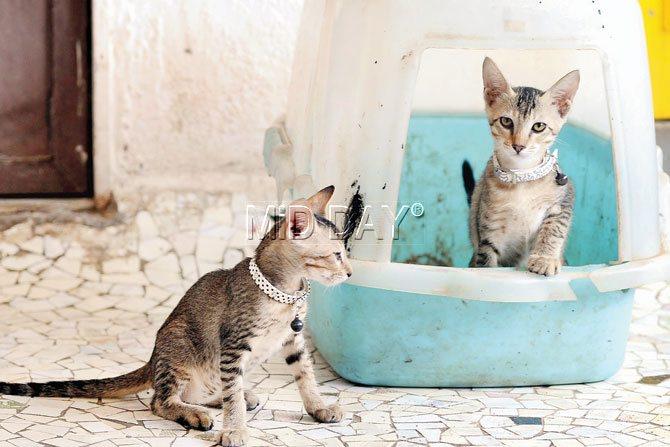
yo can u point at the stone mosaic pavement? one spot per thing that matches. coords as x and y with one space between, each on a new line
83 302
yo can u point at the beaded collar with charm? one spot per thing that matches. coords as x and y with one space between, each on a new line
295 299
525 175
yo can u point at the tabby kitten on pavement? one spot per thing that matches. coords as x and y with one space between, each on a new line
228 322
521 208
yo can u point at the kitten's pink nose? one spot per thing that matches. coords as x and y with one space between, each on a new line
518 147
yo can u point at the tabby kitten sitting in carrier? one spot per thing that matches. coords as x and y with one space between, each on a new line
521 208
229 321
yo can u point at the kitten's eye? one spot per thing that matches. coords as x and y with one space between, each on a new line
338 255
506 122
539 127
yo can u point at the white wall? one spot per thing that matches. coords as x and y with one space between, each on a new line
184 89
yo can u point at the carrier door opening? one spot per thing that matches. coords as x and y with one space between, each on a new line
448 127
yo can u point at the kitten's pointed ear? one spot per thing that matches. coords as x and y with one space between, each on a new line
299 221
495 83
563 91
319 201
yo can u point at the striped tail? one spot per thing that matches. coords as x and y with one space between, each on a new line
130 383
468 180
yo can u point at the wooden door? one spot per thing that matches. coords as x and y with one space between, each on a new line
45 105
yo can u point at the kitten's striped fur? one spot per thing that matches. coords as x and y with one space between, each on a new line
524 223
223 326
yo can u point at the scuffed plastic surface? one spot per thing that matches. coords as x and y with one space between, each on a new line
377 337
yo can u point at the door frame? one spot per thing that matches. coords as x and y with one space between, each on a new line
101 135
69 132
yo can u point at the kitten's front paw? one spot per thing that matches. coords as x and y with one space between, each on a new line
331 413
543 265
484 259
199 420
234 438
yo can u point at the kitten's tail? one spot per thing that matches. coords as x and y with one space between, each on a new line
468 180
119 386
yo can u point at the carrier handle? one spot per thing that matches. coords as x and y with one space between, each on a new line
506 284
632 274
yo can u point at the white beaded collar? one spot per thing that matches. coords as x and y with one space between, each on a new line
525 175
273 292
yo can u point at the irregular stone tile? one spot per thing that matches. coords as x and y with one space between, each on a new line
62 300
20 261
89 288
33 245
232 257
31 305
95 304
125 278
36 436
129 264
133 304
73 415
15 427
61 284
184 242
189 267
374 417
18 233
193 442
150 249
655 379
240 240
8 278
99 426
69 265
217 216
89 273
7 249
26 277
56 273
167 262
164 271
127 290
75 251
40 266
525 420
210 249
501 403
53 248
146 226
162 424
46 407
206 267
63 442
318 434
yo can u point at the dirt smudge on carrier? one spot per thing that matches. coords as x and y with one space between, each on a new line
353 214
443 260
440 257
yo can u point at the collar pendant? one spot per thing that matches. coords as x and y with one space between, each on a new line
296 324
